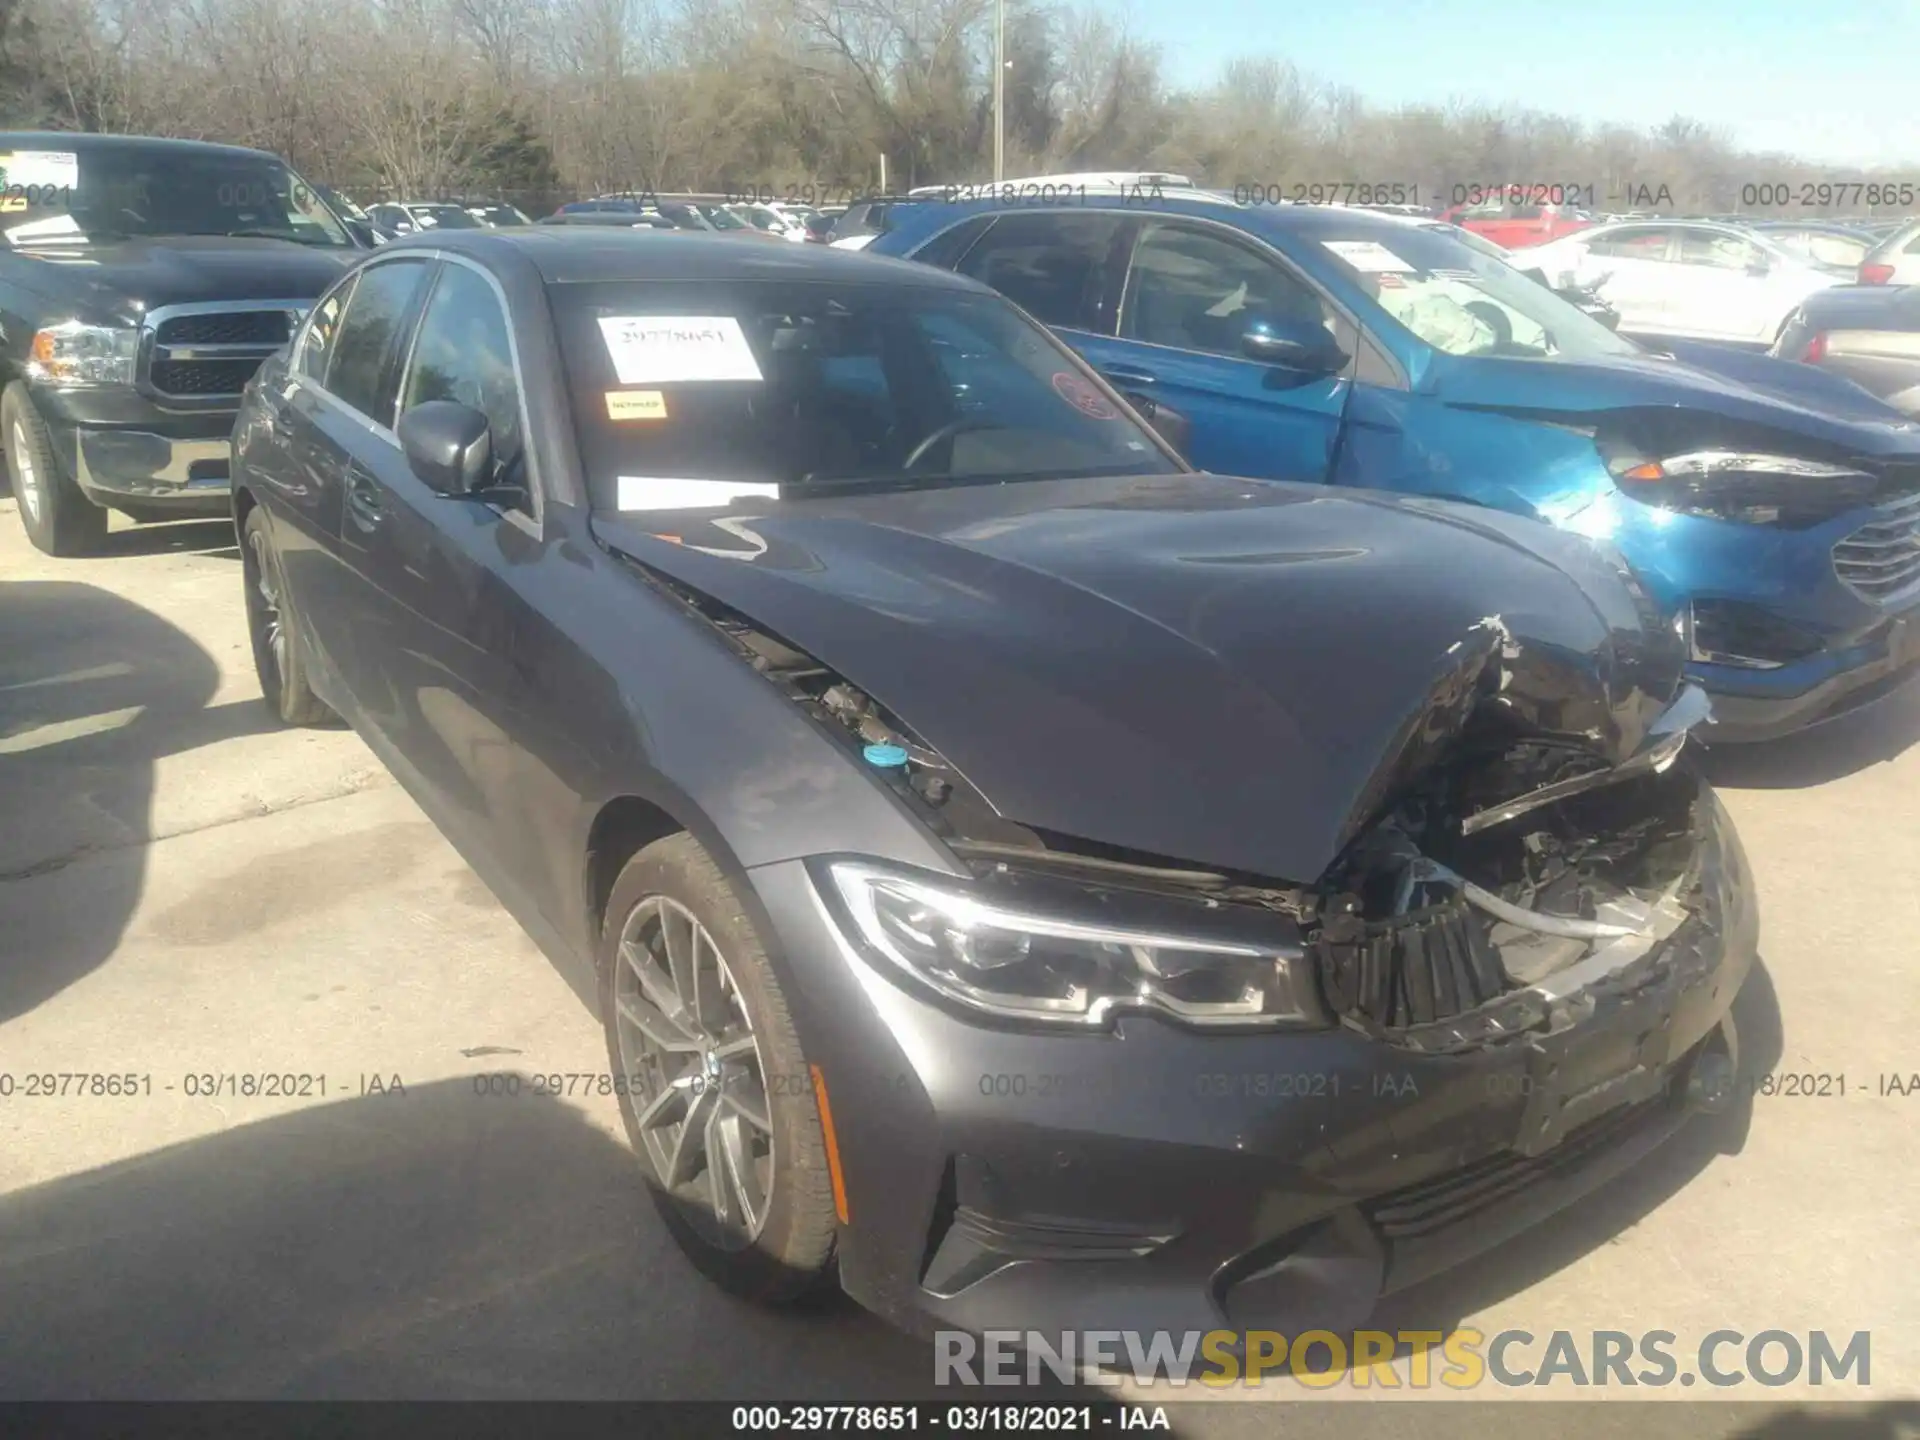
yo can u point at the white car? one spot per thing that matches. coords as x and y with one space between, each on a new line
1690 279
773 219
1894 260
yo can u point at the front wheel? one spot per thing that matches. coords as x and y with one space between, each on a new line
57 517
717 1097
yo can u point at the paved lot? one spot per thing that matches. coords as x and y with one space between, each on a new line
187 890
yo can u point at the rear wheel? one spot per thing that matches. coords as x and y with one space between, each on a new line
57 517
718 1098
274 629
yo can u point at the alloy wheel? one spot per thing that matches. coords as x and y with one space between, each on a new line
698 1086
26 484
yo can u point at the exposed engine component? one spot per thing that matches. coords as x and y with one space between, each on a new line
1604 873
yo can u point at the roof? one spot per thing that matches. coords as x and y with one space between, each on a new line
1312 222
81 142
565 255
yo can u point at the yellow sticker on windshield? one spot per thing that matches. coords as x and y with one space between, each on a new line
636 405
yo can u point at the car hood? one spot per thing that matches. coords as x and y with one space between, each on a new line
1215 671
1738 385
128 276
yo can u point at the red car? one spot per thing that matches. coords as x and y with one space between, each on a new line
1518 226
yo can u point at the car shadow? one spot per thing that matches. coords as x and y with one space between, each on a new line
1597 1219
433 1243
1888 1420
213 538
1873 735
94 691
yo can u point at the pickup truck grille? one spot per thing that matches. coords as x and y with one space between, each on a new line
198 353
1880 562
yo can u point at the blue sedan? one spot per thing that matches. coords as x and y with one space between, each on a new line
1772 509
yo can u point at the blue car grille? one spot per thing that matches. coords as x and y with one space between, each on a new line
1880 562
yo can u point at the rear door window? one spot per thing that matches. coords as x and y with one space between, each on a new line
1053 266
1718 249
1637 242
360 372
316 342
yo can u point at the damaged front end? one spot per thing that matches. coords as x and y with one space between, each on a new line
1510 888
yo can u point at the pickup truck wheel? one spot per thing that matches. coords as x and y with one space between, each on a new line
58 519
717 1097
275 630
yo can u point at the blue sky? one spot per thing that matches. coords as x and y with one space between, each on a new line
1835 80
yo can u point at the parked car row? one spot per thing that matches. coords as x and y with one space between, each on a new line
1200 660
1772 510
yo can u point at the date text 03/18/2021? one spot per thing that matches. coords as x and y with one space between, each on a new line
971 1418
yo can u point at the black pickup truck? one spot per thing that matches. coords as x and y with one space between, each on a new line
142 281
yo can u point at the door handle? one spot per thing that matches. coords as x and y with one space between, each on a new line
363 499
1124 375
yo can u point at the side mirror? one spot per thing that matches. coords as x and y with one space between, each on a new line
1296 345
1169 424
449 446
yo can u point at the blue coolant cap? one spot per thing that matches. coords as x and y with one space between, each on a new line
885 755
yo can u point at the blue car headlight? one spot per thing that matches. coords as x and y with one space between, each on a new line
1756 488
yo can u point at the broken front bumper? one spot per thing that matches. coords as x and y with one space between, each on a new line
1157 1178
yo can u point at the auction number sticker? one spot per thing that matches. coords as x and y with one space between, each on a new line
654 492
652 349
54 169
1369 257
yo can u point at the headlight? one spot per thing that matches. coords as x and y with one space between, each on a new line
1030 966
76 354
1757 488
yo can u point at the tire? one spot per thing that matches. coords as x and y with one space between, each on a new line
274 629
785 1253
58 519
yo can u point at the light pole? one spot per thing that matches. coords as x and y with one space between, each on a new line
999 90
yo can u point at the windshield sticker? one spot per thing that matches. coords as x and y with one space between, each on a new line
636 405
58 169
651 349
1083 397
1369 257
652 492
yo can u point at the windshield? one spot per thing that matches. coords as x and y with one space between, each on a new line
129 191
794 389
683 217
721 218
1465 303
1478 243
443 217
497 215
